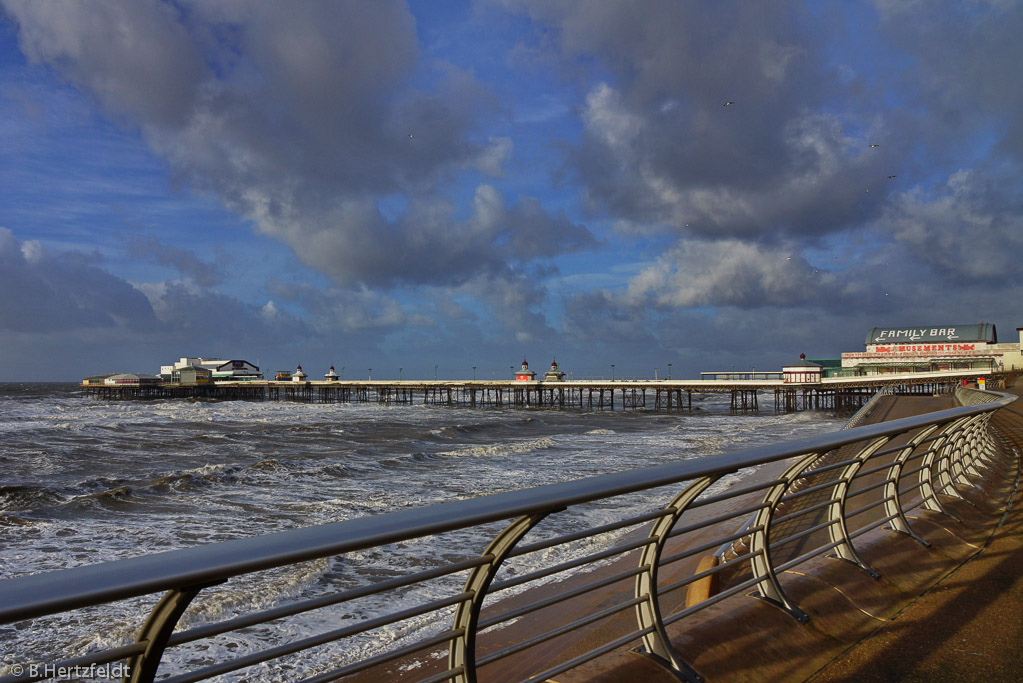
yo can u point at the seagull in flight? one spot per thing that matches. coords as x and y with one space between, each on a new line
729 103
872 146
891 176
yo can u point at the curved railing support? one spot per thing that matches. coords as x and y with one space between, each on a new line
648 612
893 506
462 651
937 454
157 631
760 552
838 531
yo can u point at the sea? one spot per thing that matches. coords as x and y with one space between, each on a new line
85 481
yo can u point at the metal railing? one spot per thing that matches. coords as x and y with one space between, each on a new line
554 599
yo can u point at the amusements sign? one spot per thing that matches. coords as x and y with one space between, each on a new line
916 349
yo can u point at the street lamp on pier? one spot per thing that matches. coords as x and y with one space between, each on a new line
474 373
342 373
669 371
612 372
399 374
369 373
434 373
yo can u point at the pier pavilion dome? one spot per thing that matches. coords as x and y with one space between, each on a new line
331 376
298 375
554 374
803 372
524 374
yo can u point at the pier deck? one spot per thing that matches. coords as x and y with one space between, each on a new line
838 393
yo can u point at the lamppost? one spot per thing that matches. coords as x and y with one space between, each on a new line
612 372
369 373
399 374
342 373
669 371
474 373
434 373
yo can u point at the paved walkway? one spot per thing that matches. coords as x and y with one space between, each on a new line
967 628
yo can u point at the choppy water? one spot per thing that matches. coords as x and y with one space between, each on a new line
85 481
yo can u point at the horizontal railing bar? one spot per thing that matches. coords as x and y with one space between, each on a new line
703 524
866 508
867 489
824 468
802 511
873 525
103 657
45 593
320 639
804 533
443 675
664 590
918 455
809 489
689 552
561 597
806 556
592 654
734 493
713 600
585 533
569 564
915 470
292 609
873 470
560 631
444 637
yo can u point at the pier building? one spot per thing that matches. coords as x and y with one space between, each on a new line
525 374
236 370
803 372
554 374
131 379
298 375
191 375
934 349
331 376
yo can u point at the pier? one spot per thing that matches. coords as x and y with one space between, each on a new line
838 394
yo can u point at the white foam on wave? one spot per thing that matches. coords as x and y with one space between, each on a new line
504 448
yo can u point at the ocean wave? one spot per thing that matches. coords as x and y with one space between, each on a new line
27 497
505 448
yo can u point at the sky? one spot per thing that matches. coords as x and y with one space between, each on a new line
444 189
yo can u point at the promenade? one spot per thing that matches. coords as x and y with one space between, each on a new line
952 611
969 626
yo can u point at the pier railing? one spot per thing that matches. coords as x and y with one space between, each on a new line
571 571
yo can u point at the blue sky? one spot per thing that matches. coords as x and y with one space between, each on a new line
409 185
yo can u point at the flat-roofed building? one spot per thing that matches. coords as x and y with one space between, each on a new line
933 349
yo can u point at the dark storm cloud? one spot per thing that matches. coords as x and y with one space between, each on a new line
970 230
965 71
301 117
46 293
661 148
429 243
82 319
203 273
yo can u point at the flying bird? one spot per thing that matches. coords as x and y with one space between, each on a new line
729 103
891 176
872 146
411 135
